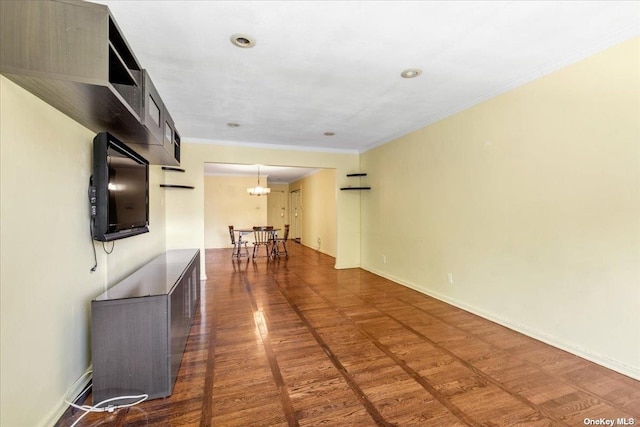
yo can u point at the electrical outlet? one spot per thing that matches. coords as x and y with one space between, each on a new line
450 278
384 259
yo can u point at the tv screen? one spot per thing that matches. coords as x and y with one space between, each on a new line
121 182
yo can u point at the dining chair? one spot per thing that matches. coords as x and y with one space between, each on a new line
263 237
281 241
237 245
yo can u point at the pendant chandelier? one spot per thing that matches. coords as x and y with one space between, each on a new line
258 190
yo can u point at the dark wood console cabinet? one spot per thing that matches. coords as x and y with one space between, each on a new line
140 327
73 56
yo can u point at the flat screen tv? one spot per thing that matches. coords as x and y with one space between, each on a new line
120 206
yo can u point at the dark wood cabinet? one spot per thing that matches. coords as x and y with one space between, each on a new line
140 327
157 119
74 56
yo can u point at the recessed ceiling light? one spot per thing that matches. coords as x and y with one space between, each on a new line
233 125
329 133
411 73
242 40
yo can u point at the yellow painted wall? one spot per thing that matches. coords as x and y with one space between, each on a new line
532 201
46 255
319 192
226 203
185 210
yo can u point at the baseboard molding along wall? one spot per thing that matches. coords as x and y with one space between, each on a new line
614 365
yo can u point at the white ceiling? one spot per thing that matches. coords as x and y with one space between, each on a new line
335 66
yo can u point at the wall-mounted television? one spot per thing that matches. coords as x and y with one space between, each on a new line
120 206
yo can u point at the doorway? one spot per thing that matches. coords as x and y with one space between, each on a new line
276 205
295 203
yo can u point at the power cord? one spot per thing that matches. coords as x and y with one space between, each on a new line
98 406
91 193
93 246
92 209
104 248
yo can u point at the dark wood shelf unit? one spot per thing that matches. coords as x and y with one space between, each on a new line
139 327
74 57
356 174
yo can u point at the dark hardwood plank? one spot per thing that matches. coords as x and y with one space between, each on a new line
296 342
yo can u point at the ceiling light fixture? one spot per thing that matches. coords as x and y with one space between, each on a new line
329 133
411 73
242 40
258 190
233 125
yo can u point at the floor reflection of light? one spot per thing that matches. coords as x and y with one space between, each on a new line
203 308
261 323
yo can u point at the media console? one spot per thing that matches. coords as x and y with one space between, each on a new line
140 327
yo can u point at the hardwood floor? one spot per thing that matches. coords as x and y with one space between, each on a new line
297 343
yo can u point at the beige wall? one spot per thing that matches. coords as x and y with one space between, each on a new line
319 192
226 202
185 210
532 201
46 255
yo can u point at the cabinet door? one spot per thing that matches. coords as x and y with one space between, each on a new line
129 347
169 138
194 291
188 307
176 145
191 297
177 330
153 116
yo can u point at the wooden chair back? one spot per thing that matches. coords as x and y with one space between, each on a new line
262 235
232 235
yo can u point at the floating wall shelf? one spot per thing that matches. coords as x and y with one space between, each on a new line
359 187
177 186
172 169
355 188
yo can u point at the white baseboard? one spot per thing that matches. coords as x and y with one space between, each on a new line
54 415
345 266
336 266
607 362
315 248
